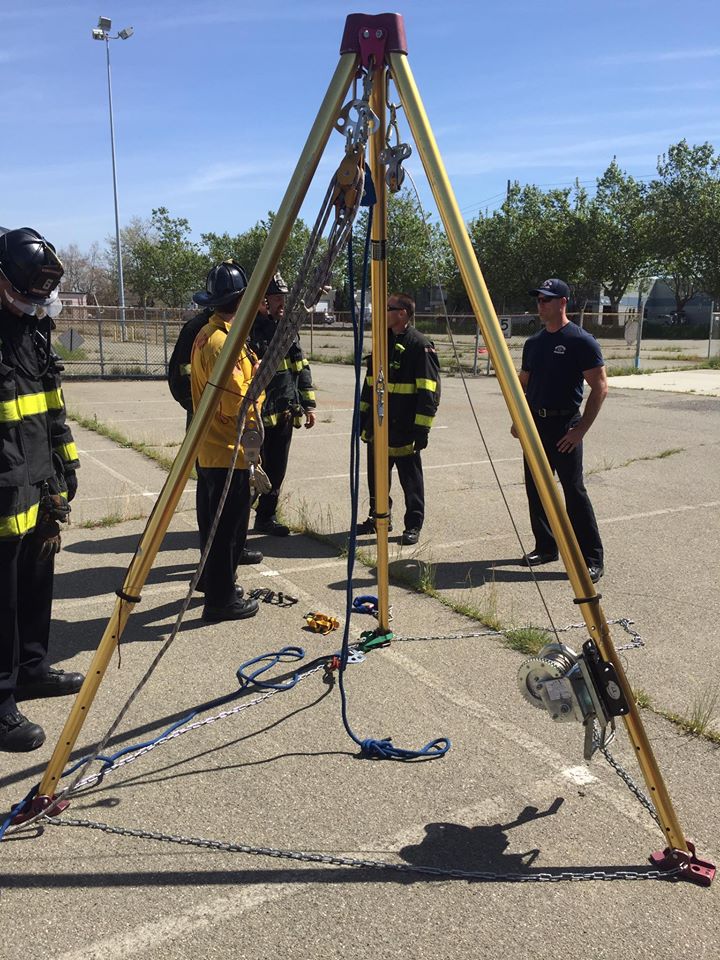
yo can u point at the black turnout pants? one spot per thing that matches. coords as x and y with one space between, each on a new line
410 475
569 470
275 454
229 541
25 607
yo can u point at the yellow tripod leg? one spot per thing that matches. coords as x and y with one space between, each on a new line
515 399
378 279
164 508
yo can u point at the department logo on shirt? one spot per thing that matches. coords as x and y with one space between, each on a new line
559 349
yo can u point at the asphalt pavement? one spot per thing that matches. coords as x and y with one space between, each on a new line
556 848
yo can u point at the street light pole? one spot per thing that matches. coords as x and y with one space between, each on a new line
102 32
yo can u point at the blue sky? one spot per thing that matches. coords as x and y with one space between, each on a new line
213 100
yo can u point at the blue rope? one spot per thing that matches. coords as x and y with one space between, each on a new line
369 748
286 655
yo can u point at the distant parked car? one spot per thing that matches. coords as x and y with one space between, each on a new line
324 319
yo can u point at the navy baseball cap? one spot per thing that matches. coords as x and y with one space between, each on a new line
552 288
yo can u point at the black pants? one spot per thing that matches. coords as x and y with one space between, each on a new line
275 454
410 475
230 536
569 469
26 588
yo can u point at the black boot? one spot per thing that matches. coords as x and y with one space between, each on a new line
18 734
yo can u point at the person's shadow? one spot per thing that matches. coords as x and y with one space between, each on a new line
452 846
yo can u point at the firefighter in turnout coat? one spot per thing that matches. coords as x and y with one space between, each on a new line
413 395
38 460
289 400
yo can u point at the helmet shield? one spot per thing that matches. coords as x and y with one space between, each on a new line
277 285
29 263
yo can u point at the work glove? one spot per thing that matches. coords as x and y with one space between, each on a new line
420 440
53 510
260 481
72 484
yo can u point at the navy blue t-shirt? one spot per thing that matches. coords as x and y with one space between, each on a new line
555 362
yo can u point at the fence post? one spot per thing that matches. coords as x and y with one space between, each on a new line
477 347
100 345
165 340
145 335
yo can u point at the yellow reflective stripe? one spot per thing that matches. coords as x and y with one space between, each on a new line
19 524
271 419
9 411
421 421
422 384
32 404
364 405
285 365
54 399
401 451
68 452
401 388
308 395
185 369
298 365
370 380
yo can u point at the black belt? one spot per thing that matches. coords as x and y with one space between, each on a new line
544 412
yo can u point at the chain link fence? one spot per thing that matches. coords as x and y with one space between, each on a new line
105 343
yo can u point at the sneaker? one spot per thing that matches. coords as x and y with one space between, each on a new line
250 556
595 571
411 536
18 734
239 609
55 683
272 526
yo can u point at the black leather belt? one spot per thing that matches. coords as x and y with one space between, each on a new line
544 412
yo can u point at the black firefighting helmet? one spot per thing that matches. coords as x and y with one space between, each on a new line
223 284
277 285
31 265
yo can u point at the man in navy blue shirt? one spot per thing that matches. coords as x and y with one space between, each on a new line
555 363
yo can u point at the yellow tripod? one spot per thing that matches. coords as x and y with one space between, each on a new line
378 44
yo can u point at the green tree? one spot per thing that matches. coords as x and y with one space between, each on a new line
686 189
617 249
160 261
246 247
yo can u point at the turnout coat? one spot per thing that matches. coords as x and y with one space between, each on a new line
35 441
413 392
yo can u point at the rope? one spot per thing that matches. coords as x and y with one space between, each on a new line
369 747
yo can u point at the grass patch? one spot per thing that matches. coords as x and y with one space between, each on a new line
92 423
110 520
611 465
527 640
65 354
642 699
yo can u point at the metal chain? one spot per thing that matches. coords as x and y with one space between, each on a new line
623 622
629 783
181 731
545 876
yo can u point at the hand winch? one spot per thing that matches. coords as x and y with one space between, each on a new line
572 686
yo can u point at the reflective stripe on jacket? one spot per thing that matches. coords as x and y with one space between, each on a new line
413 391
32 421
291 388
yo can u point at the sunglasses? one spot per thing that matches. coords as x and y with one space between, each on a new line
395 308
545 299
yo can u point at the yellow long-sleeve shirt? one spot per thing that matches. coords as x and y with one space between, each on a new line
218 444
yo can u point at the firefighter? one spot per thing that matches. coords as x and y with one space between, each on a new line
289 400
38 460
413 385
224 600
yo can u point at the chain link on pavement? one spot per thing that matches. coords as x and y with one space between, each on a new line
624 622
544 876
